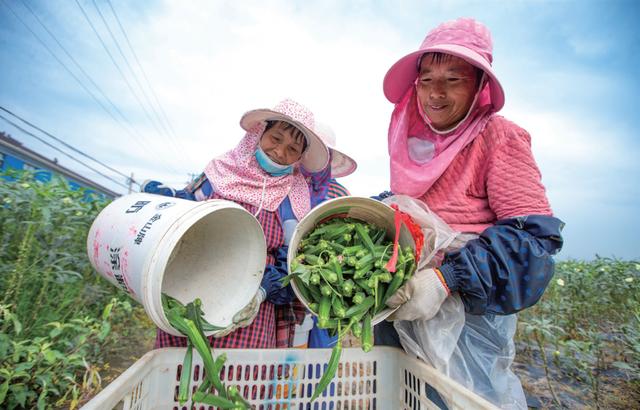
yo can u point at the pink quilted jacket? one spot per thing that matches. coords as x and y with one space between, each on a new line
494 177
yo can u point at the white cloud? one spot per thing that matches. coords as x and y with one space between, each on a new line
218 60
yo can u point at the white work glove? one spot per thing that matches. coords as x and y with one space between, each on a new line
245 316
420 298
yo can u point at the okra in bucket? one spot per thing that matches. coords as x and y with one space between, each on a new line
148 244
330 228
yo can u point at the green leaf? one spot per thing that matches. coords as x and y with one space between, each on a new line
4 388
55 332
50 356
20 393
21 367
42 399
104 331
17 326
622 366
107 310
5 344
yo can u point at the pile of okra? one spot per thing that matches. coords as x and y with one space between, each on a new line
189 320
341 272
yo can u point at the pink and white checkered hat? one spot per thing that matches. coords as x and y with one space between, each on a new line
341 164
465 38
316 156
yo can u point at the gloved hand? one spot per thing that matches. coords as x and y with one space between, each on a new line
157 187
420 298
245 316
271 280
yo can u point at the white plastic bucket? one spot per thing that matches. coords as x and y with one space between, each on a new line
362 208
148 244
301 333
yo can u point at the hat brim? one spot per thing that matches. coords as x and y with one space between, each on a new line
404 72
316 156
341 164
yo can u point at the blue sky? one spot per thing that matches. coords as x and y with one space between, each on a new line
569 69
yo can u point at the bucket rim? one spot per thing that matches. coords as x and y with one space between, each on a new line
343 205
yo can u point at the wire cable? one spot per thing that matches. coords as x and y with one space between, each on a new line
133 74
66 145
104 45
75 77
144 74
62 64
144 93
62 152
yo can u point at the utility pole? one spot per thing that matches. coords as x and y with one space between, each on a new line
130 183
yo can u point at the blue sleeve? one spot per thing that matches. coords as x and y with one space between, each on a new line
276 293
189 192
382 195
508 267
285 210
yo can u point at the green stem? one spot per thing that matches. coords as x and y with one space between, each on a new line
547 373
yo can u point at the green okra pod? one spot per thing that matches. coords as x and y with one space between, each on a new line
324 309
337 232
337 307
316 294
347 287
329 276
362 272
366 338
185 375
312 259
356 329
366 304
394 285
335 265
358 298
332 367
364 285
364 236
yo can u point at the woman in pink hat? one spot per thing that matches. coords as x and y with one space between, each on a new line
263 174
451 150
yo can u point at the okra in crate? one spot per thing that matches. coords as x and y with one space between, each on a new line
344 263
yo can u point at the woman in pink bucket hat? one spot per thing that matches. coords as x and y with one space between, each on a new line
450 150
263 174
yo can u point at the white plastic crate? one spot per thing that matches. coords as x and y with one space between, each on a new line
276 379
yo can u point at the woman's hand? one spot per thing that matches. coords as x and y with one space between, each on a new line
245 316
420 298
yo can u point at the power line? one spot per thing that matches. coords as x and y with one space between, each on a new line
135 77
65 144
104 45
61 63
91 94
144 74
62 152
79 68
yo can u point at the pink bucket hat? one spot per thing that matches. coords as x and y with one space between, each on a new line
465 38
341 164
316 156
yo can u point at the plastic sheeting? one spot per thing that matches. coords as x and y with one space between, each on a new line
475 350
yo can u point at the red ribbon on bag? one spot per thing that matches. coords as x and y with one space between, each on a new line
400 217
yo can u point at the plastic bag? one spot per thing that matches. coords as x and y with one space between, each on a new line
476 351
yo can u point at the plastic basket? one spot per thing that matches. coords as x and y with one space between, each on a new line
276 379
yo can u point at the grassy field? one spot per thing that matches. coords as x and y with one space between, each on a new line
65 332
